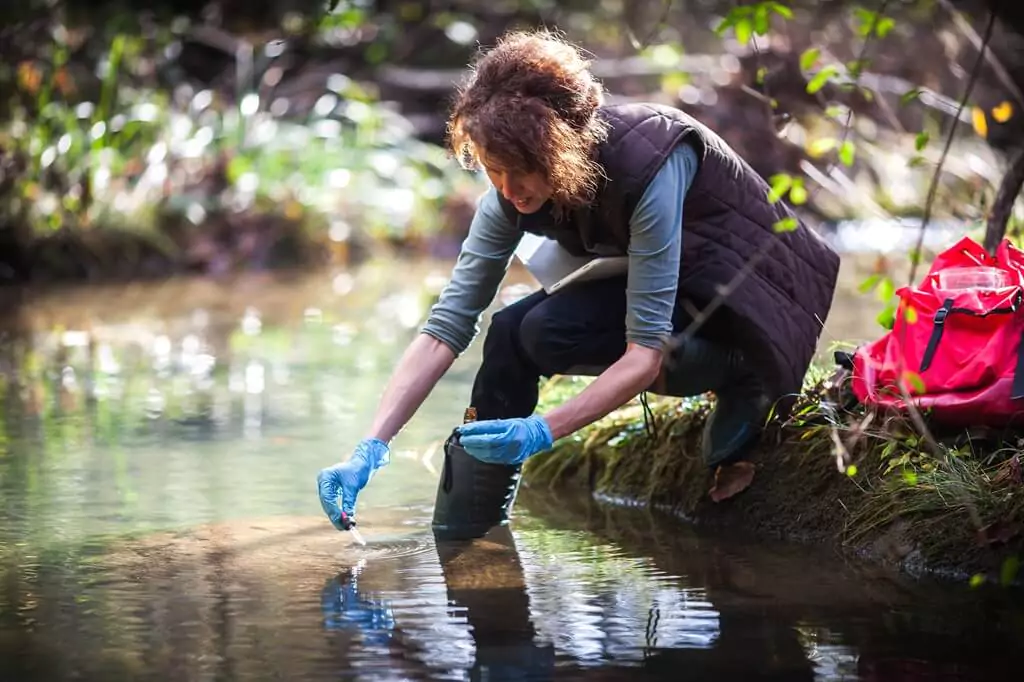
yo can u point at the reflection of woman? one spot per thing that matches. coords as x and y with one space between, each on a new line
485 581
641 180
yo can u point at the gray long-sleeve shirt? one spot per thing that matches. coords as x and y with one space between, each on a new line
655 246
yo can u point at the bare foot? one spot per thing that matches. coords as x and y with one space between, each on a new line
731 480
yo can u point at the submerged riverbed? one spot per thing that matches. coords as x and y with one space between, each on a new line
158 450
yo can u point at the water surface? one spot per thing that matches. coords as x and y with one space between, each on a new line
158 450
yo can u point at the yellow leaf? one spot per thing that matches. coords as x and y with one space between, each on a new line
1003 112
821 146
293 210
29 77
979 122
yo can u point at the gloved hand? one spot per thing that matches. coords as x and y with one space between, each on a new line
346 479
506 441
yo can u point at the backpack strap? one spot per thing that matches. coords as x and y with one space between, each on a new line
938 324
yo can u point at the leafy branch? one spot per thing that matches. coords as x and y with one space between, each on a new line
871 24
749 20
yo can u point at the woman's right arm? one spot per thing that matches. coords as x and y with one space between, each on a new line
453 322
424 362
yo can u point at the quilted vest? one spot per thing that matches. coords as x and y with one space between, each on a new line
782 282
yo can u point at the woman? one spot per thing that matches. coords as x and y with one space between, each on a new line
641 180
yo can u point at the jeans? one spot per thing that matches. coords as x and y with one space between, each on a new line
581 330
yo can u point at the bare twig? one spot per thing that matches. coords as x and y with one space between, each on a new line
645 43
724 292
858 64
842 455
933 188
997 66
1002 207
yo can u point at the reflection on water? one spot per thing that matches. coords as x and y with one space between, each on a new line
158 450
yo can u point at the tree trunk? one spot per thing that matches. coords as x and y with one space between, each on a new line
1002 207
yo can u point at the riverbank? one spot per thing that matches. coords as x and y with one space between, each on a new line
956 512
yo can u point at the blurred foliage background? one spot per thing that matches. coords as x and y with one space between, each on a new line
149 139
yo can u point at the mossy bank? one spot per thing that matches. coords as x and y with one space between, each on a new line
830 473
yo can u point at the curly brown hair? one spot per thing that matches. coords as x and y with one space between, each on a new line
529 106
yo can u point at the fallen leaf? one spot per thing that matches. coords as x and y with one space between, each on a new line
731 480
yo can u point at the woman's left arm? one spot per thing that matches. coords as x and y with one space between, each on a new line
655 250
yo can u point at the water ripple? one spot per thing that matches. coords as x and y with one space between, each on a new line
392 549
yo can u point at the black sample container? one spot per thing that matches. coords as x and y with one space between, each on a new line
472 496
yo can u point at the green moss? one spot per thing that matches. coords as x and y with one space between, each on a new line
847 474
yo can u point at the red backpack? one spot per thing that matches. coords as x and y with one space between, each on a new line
955 345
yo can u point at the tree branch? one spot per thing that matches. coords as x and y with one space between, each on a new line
932 190
1002 207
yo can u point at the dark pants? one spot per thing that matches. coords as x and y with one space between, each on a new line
582 330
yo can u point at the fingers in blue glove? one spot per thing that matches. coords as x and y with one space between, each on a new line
338 486
505 441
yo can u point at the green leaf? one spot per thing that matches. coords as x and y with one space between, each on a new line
237 167
884 26
921 141
780 184
886 289
809 58
909 96
851 470
780 9
915 382
869 283
864 18
798 193
761 73
915 161
725 24
786 225
847 153
821 78
744 29
977 580
1008 571
761 19
867 93
887 317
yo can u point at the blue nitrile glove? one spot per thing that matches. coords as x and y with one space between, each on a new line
346 479
505 441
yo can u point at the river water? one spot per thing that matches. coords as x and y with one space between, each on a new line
158 452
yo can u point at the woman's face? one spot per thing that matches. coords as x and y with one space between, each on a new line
527 191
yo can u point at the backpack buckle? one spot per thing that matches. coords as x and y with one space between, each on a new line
940 315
